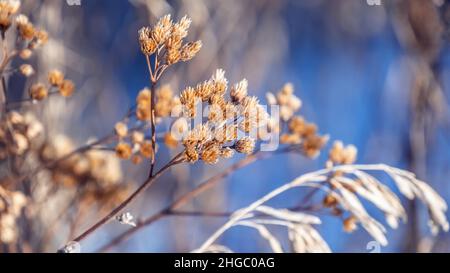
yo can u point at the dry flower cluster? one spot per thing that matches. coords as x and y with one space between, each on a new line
26 150
226 120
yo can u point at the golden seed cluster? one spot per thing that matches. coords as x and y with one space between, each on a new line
64 87
165 103
219 137
286 99
17 133
11 205
300 132
168 36
95 170
132 144
8 8
340 154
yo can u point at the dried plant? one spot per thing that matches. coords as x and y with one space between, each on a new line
344 187
226 120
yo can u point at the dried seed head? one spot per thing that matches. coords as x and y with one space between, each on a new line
297 125
15 118
26 30
137 137
350 224
41 38
342 155
226 133
245 145
211 153
220 82
204 90
9 7
188 99
189 50
148 44
55 77
21 20
121 129
330 201
146 149
227 152
191 155
180 29
26 70
123 150
350 154
20 143
162 29
249 106
143 112
25 53
144 97
239 91
136 159
201 134
164 101
66 88
38 91
290 139
215 114
313 144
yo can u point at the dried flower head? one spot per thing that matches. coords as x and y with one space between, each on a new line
147 149
169 35
313 144
66 88
239 91
38 91
25 27
55 77
25 53
121 129
350 224
211 153
137 137
288 102
26 70
342 155
123 150
218 136
245 145
7 9
189 50
165 101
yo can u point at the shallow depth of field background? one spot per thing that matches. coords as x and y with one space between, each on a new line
347 60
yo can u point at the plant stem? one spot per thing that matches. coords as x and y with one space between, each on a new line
153 83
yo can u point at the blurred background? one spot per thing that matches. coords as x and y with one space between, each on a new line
376 76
